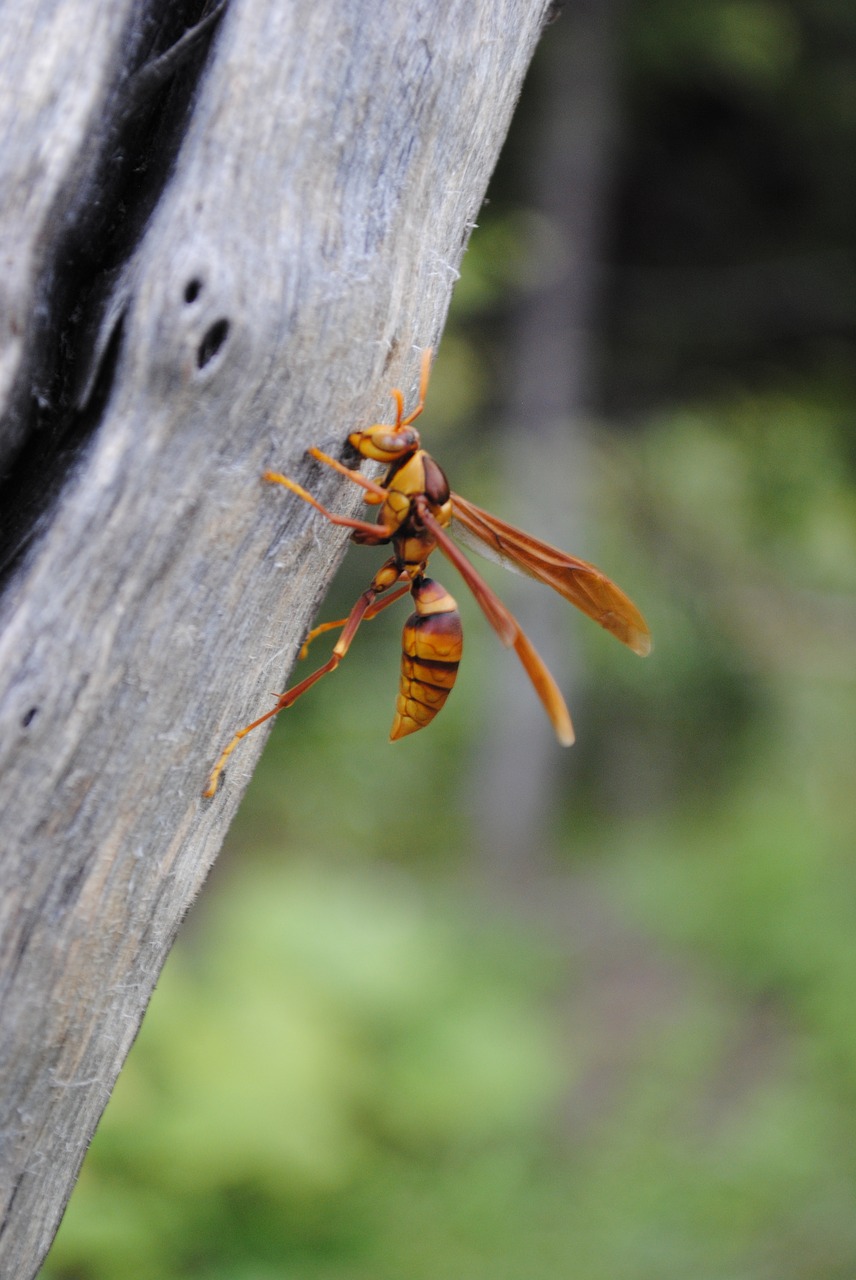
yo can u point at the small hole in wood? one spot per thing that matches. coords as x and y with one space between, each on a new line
212 342
29 717
192 290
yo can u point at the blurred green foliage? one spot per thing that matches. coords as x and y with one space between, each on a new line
362 1064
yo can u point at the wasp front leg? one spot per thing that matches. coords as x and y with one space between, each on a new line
369 533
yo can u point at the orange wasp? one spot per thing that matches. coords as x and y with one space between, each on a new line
416 509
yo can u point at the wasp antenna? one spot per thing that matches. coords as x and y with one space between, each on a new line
399 407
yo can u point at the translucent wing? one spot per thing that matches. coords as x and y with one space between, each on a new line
579 582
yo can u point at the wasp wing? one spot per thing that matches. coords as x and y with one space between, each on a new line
579 582
507 628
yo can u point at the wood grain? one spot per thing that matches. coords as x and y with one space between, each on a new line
300 254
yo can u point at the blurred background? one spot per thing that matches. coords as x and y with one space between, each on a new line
476 1007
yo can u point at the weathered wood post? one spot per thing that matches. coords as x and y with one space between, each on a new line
212 253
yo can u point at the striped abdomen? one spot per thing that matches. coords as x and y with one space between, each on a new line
431 650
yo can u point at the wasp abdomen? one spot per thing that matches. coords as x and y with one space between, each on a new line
432 642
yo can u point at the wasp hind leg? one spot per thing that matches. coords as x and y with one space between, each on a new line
375 609
385 578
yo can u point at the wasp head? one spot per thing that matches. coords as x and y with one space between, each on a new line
385 443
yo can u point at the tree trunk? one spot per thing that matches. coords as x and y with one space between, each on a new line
223 239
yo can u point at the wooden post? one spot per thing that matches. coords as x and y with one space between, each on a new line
208 262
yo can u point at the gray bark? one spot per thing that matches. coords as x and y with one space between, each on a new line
173 324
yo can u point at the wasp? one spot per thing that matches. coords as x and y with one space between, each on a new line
417 508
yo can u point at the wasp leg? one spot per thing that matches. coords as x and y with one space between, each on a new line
506 627
373 532
377 491
340 622
387 576
290 696
423 391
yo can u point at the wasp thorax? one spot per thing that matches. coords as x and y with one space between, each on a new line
383 443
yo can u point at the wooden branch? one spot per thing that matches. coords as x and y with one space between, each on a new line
262 295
